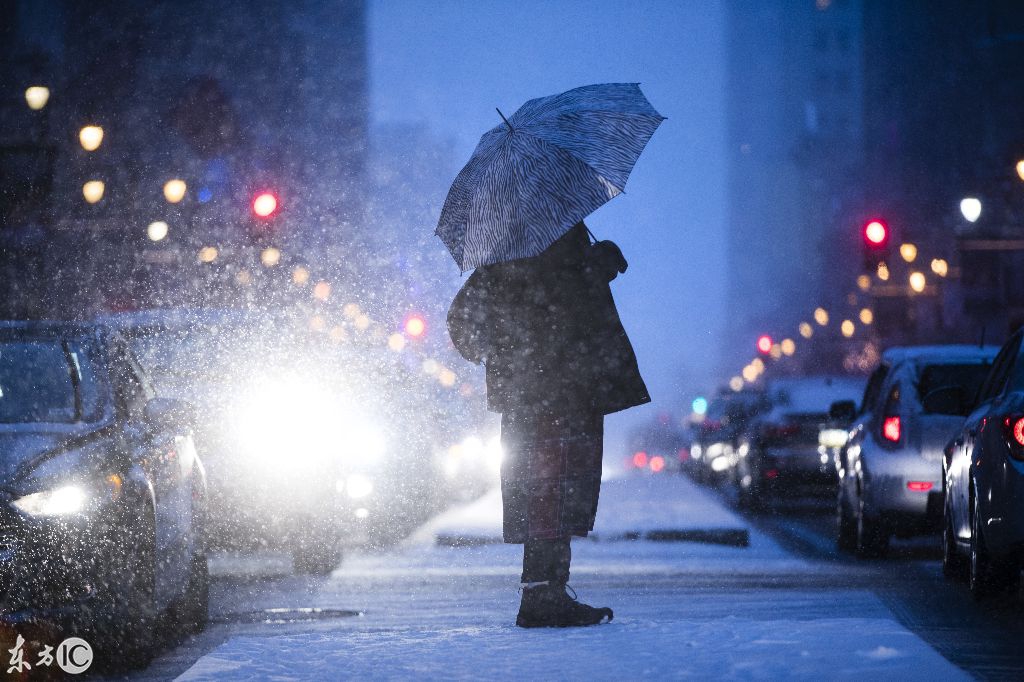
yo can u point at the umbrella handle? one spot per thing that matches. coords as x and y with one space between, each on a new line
591 235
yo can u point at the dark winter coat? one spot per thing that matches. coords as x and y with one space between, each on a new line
547 330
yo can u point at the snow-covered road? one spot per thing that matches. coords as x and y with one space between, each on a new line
683 609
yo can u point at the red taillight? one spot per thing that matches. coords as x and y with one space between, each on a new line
920 486
771 473
891 429
640 460
1013 428
657 463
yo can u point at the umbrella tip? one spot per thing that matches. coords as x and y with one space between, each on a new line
511 129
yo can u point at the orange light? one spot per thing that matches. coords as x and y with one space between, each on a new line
264 205
657 463
764 344
415 326
640 460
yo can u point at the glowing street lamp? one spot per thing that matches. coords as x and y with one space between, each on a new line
847 328
270 257
93 190
764 344
908 252
1020 169
91 138
866 316
415 326
821 316
970 207
174 190
207 254
156 230
264 204
863 282
883 272
940 267
806 330
788 346
917 281
36 97
300 275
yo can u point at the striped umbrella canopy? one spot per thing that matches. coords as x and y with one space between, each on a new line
544 169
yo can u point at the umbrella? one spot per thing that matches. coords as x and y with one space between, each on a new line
544 169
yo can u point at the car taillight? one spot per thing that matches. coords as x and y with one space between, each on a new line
1013 427
657 463
920 486
640 460
891 429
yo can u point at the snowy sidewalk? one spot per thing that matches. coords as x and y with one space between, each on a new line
683 609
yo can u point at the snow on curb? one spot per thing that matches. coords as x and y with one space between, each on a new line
662 508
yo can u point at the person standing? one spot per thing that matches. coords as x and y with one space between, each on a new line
557 360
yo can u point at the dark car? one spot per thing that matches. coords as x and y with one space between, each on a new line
101 492
889 468
715 442
779 454
311 445
983 473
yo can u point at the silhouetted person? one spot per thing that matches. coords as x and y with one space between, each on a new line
557 361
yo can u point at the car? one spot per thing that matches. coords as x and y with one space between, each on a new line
779 454
715 443
102 494
890 468
311 445
660 445
983 476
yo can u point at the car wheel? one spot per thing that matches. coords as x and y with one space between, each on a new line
192 611
125 632
988 576
872 539
954 566
846 528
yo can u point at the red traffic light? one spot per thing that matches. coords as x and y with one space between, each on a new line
764 344
876 234
264 205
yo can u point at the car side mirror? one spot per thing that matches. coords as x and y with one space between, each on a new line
946 400
844 411
168 413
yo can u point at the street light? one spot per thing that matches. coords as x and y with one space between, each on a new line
91 138
821 316
93 191
36 97
866 316
156 230
917 281
270 257
1020 169
174 190
863 282
415 326
940 267
847 328
970 207
322 290
908 252
883 272
207 254
764 344
300 275
788 346
264 204
806 330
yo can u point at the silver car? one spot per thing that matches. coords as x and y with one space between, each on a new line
890 469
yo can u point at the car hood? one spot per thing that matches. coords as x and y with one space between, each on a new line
21 450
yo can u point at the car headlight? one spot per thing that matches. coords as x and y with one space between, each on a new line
358 486
832 438
67 500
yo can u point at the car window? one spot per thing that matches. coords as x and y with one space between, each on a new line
873 388
997 378
1017 373
47 381
969 377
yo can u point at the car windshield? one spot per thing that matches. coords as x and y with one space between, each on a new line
967 376
46 381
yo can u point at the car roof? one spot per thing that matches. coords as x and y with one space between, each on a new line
36 328
942 353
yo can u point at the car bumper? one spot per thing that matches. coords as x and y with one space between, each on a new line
1003 510
905 488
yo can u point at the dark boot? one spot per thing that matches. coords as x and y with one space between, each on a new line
549 605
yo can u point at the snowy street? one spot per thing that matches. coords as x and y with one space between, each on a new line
781 606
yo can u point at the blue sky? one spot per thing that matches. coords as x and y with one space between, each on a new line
449 64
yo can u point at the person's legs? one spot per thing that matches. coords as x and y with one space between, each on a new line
546 561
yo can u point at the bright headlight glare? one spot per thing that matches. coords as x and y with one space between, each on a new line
832 438
69 499
359 486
